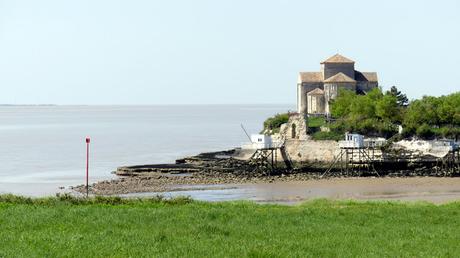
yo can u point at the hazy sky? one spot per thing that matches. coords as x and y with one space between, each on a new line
169 52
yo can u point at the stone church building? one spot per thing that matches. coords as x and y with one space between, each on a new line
316 89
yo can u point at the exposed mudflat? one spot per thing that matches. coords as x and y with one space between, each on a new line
432 189
167 182
288 190
219 176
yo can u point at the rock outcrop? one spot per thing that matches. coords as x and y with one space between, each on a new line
295 128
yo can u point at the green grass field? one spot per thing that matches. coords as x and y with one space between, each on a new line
112 227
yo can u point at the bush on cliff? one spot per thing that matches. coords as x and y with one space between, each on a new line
274 123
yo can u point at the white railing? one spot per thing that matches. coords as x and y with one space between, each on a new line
349 144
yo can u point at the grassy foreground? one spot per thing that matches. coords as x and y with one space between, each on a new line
112 227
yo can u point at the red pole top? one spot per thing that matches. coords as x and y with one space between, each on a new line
88 139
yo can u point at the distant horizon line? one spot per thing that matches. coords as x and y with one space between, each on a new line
172 104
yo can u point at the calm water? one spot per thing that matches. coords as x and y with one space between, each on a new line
43 147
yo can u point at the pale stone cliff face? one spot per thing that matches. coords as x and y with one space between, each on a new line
299 145
312 151
295 128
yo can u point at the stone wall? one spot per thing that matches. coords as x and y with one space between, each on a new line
316 104
299 145
366 86
312 151
295 128
331 69
302 90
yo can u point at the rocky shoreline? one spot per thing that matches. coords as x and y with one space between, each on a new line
219 169
216 168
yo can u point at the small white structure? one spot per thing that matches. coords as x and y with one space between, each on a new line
352 140
258 141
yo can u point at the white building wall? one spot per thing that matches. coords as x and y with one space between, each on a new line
300 108
302 99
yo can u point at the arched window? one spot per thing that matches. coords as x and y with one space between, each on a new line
293 129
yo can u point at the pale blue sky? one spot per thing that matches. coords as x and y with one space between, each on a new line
169 52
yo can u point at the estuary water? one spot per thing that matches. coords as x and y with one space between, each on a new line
43 147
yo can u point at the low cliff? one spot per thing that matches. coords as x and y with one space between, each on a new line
312 151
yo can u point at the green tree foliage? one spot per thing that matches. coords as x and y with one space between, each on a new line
379 114
372 114
422 111
341 106
424 131
434 116
388 109
402 99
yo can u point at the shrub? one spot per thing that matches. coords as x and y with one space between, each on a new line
408 131
274 123
447 132
69 199
425 131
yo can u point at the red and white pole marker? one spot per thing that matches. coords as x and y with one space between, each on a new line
88 140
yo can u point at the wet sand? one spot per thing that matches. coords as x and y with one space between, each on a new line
432 189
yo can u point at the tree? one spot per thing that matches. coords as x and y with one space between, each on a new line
423 111
402 99
425 131
379 114
449 109
388 109
370 114
430 116
341 105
